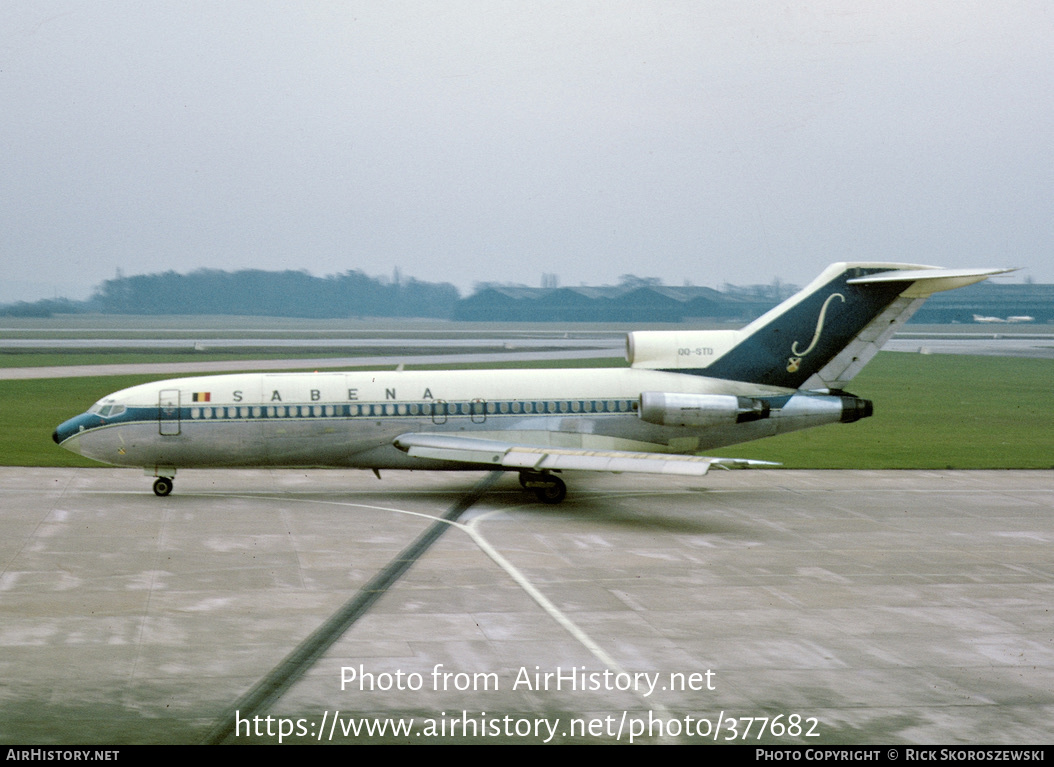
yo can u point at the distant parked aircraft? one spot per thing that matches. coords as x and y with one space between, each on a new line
1013 318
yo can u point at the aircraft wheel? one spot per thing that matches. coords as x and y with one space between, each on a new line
162 486
554 492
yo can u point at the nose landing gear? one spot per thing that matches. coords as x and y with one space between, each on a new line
162 486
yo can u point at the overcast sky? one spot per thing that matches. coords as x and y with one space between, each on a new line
466 141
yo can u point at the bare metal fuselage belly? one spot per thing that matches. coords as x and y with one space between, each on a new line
353 443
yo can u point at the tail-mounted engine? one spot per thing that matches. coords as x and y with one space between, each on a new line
668 409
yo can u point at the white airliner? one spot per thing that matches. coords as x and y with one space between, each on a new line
1011 319
684 392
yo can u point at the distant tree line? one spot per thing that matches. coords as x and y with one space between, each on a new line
274 294
254 292
44 308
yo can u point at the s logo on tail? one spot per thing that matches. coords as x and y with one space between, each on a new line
794 362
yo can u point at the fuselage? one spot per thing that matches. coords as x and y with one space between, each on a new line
352 419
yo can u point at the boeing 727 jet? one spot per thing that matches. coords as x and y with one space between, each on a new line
685 391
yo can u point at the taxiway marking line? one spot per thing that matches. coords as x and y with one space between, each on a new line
293 666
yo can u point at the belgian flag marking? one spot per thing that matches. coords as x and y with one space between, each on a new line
202 396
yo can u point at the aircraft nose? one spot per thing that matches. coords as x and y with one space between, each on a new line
69 428
63 432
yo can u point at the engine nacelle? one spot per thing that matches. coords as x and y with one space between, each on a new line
854 408
671 409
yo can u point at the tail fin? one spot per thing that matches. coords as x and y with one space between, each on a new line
818 338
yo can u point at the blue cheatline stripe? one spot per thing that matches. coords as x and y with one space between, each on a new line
369 410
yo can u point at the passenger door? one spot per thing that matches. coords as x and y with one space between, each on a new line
168 423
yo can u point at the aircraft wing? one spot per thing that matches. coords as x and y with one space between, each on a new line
444 447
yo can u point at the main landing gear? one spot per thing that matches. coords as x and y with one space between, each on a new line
162 486
548 488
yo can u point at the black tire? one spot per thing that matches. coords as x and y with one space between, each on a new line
554 493
162 486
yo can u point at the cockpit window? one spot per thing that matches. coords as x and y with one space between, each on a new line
106 409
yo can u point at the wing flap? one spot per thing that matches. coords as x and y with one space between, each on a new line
542 459
469 450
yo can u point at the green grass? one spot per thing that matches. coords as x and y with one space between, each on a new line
931 412
938 411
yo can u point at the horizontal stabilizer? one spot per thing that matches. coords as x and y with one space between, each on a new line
929 281
819 338
468 450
